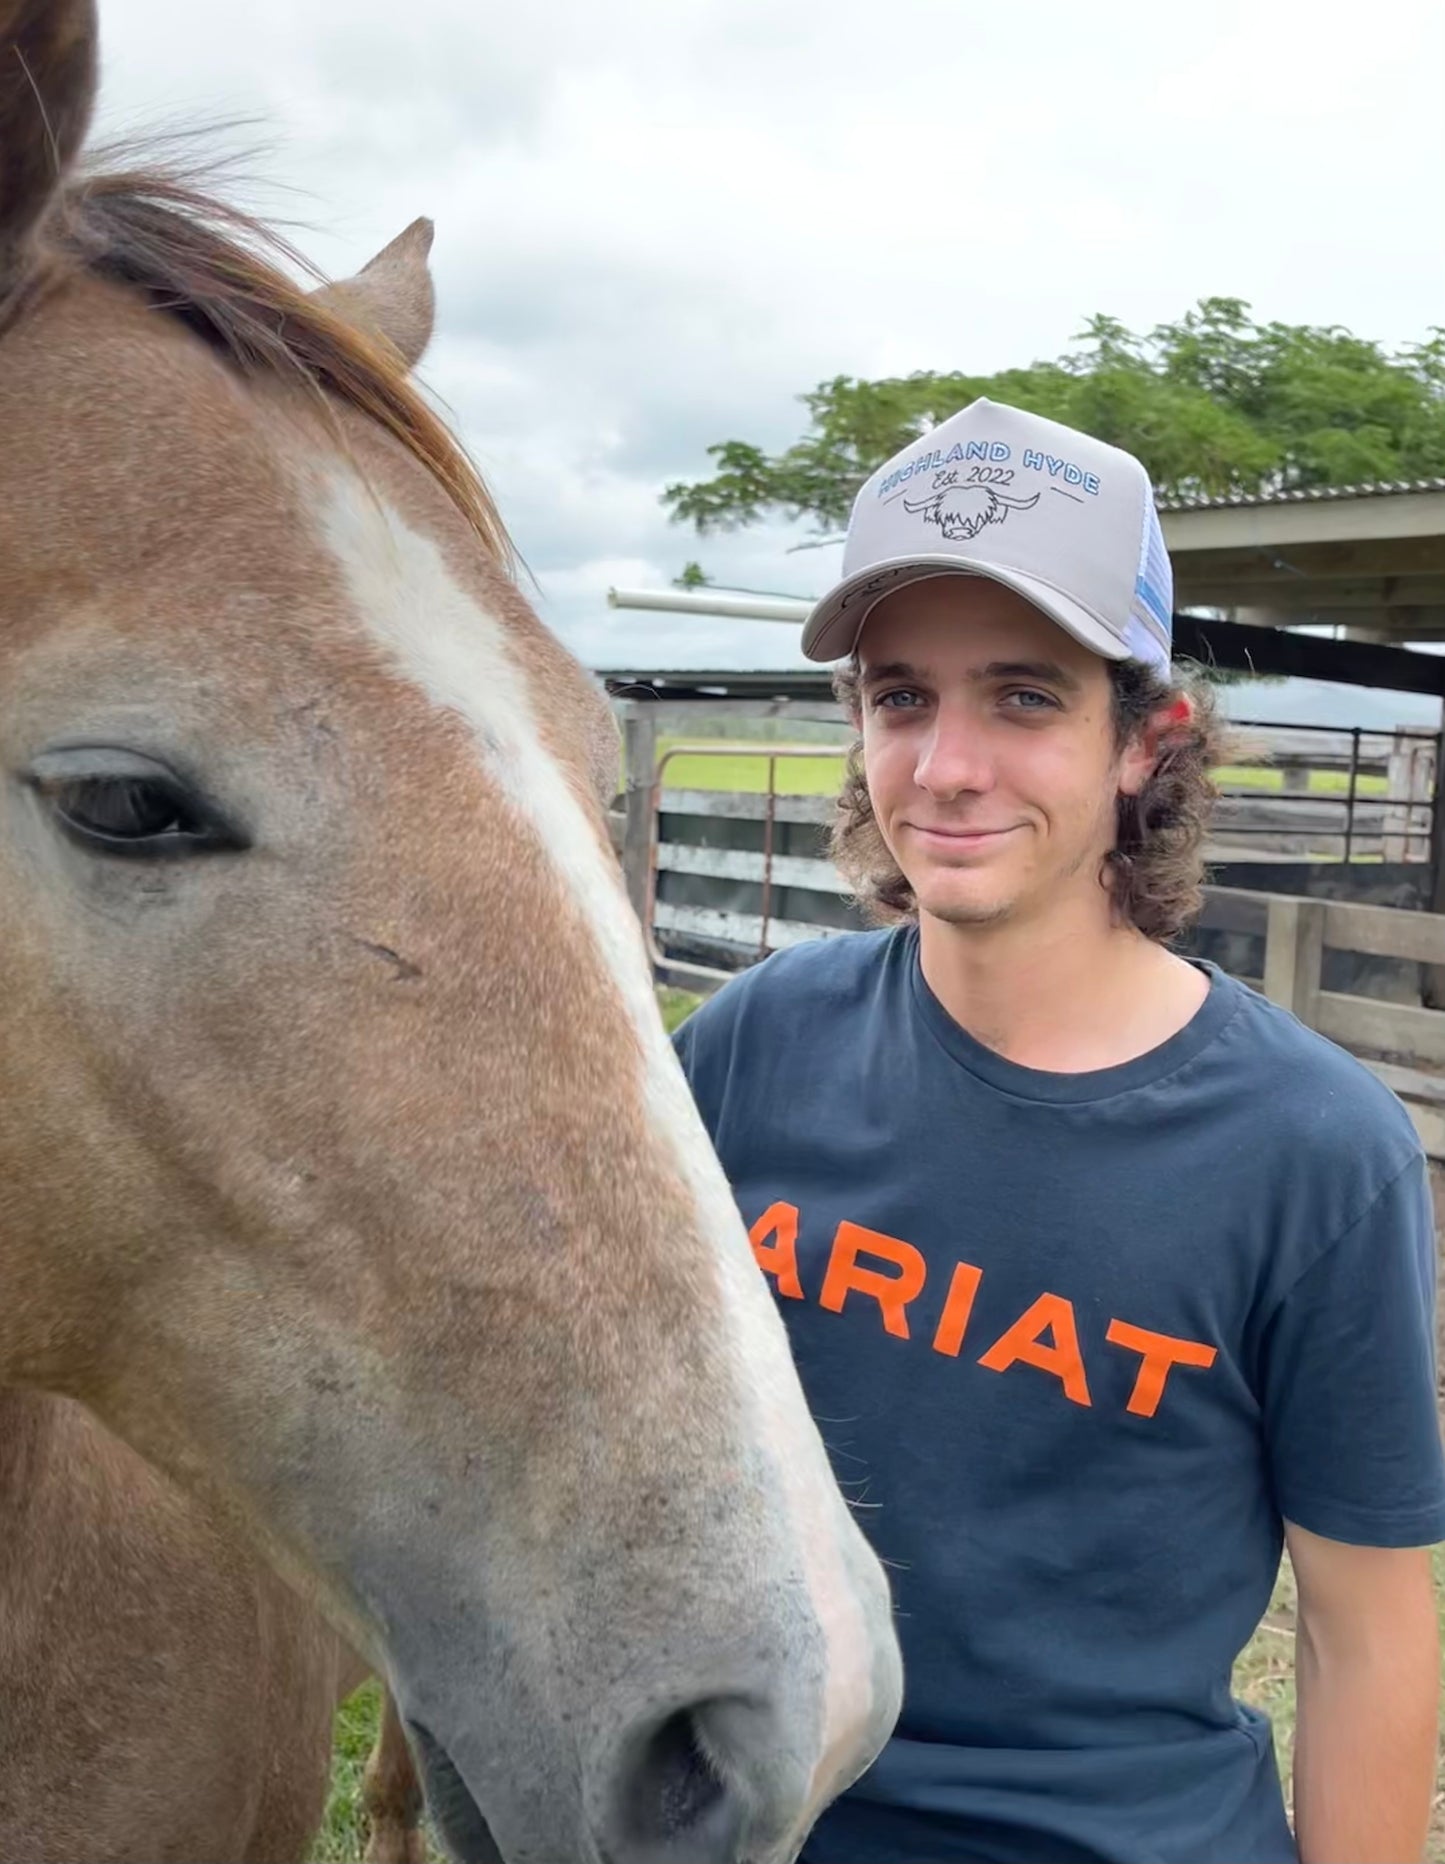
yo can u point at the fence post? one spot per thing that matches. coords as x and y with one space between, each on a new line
1353 793
639 738
1294 946
1432 976
1408 785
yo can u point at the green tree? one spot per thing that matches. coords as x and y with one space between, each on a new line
1212 404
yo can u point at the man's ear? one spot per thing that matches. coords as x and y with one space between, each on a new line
1160 732
851 692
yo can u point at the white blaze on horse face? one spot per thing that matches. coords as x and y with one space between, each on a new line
440 639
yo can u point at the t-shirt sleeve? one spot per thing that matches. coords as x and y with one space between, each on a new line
1349 1396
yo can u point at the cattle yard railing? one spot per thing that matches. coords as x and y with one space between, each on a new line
1404 1043
1353 794
738 870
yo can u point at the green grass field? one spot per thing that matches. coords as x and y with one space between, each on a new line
744 768
342 1837
1319 782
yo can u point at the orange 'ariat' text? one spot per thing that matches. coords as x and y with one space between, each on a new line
867 1264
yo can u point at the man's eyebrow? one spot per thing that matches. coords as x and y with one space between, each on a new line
893 670
1046 672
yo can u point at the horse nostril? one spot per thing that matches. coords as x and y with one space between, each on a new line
673 1806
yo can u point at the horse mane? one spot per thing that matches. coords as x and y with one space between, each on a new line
219 270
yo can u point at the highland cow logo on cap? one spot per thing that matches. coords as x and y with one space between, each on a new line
962 511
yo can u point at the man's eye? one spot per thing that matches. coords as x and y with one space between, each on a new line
1029 699
902 699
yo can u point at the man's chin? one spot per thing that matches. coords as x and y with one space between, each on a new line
959 905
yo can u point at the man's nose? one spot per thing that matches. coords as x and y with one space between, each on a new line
955 760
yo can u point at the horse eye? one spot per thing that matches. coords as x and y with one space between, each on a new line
136 808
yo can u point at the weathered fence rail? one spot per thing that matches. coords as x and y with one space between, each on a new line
1401 1042
1382 807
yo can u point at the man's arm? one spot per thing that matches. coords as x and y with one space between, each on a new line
1367 1679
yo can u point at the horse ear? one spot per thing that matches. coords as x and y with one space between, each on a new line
48 60
392 295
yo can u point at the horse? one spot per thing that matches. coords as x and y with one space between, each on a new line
370 1296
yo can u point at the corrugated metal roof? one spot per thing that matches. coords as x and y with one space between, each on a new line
1382 488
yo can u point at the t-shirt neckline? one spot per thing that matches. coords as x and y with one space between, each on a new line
1038 1084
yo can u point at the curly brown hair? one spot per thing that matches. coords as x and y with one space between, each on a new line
1155 869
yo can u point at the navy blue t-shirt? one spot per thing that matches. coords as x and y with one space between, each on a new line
1077 1343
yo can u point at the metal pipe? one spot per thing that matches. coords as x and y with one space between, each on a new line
768 827
1354 777
720 607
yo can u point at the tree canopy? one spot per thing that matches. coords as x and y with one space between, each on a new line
1213 404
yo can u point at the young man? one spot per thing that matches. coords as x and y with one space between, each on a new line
1104 1276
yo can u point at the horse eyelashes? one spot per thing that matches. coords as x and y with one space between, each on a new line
138 817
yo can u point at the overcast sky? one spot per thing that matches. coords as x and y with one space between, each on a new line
660 221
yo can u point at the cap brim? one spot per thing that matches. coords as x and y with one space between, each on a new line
832 629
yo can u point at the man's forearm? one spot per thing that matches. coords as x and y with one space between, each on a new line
1365 1743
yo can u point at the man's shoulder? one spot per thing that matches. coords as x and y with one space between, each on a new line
803 980
784 1011
1310 1090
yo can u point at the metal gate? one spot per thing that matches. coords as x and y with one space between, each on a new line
733 875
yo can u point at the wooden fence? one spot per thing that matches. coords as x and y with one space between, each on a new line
1380 806
1403 1043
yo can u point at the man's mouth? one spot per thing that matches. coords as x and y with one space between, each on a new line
962 838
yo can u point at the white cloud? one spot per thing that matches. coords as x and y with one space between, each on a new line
660 223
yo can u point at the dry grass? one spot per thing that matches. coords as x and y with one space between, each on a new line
1264 1677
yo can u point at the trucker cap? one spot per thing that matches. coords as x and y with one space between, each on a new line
1063 519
